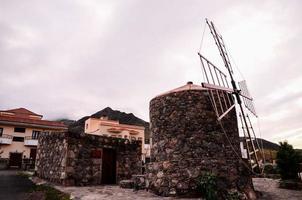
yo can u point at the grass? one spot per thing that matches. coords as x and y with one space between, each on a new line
51 193
23 174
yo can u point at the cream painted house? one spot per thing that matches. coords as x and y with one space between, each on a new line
19 132
110 128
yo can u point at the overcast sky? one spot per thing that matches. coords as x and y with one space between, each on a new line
72 58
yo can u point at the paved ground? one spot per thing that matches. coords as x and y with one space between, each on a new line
270 190
108 192
268 187
12 186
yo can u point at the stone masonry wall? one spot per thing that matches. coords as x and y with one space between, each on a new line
84 169
51 156
187 142
69 159
129 160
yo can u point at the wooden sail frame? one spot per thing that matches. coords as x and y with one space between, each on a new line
217 83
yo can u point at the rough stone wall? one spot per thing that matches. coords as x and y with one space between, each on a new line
187 142
51 156
69 159
129 160
83 169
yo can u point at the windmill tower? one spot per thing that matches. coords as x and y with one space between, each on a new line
224 97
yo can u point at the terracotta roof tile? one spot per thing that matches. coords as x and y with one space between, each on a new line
21 111
188 86
32 121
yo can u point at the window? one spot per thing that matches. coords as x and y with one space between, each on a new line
86 126
140 138
125 136
19 130
35 134
1 131
18 139
133 138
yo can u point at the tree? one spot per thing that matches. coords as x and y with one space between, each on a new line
288 161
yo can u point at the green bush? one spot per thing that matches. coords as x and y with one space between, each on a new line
207 185
270 169
233 196
288 161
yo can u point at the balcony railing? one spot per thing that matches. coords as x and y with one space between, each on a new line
6 139
30 141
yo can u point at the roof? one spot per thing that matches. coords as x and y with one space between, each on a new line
188 86
31 122
21 111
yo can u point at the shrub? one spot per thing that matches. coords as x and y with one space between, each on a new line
207 185
270 169
288 161
233 195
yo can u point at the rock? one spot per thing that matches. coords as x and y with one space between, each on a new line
126 184
160 174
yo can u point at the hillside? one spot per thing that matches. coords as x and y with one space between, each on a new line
67 122
266 144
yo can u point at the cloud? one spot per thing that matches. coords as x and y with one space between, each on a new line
73 58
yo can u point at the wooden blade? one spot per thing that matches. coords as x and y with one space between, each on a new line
217 87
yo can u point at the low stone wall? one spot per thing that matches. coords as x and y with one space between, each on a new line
129 160
85 169
51 156
77 159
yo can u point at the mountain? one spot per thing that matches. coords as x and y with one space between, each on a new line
266 144
67 122
124 118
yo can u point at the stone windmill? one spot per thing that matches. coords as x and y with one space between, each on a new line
194 131
219 89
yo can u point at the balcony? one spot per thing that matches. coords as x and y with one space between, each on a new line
30 141
6 139
114 130
133 132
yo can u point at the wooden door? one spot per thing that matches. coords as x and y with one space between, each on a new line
15 160
109 166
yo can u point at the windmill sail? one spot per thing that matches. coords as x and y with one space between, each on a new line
247 99
221 94
220 44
